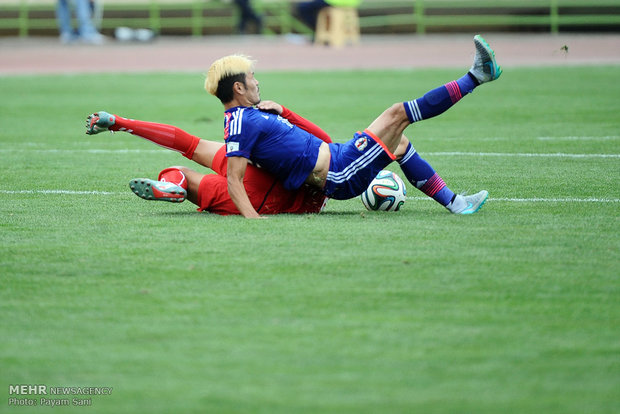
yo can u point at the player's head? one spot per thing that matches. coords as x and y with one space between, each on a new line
225 72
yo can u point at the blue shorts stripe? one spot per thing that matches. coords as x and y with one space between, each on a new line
355 166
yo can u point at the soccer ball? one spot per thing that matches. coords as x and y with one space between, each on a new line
387 192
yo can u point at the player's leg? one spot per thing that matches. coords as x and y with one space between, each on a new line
308 11
392 122
174 184
167 136
63 17
390 125
437 101
199 150
210 192
421 174
87 30
192 178
424 177
205 152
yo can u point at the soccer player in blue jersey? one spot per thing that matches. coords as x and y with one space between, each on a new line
341 171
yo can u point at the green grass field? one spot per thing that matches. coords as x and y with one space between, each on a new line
512 310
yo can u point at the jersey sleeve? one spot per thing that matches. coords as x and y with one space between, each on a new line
306 125
240 133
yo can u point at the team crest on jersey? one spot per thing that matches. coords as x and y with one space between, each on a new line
232 146
361 143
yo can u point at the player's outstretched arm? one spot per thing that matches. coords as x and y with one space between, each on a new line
306 125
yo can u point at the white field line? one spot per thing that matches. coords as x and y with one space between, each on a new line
522 154
501 199
83 151
60 192
448 153
577 138
539 199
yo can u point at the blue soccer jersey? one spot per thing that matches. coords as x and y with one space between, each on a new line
271 142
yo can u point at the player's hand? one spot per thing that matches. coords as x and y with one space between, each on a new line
270 106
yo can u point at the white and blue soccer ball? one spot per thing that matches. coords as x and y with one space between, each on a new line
387 192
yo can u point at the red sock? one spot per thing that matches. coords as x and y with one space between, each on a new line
167 136
173 175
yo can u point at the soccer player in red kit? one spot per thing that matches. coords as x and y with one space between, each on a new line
209 192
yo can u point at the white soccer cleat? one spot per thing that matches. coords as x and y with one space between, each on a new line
485 68
463 204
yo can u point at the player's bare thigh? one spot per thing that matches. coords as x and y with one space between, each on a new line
205 151
389 126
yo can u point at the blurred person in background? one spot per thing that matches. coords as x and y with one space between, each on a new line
86 31
248 15
308 11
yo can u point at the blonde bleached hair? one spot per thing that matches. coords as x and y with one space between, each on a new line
226 67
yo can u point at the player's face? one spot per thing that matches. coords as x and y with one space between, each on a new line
253 91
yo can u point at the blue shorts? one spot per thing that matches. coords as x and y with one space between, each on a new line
354 165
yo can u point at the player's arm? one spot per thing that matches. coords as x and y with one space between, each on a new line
236 190
295 119
306 125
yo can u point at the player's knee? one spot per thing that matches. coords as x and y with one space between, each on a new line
397 112
184 170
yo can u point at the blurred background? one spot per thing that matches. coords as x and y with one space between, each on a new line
144 20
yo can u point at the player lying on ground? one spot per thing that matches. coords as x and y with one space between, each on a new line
340 171
267 195
209 192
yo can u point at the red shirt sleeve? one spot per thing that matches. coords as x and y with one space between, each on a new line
305 125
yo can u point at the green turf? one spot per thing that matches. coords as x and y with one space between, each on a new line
512 310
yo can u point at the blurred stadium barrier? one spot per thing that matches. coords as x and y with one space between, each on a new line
204 17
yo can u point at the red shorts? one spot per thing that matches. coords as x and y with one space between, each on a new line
265 192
